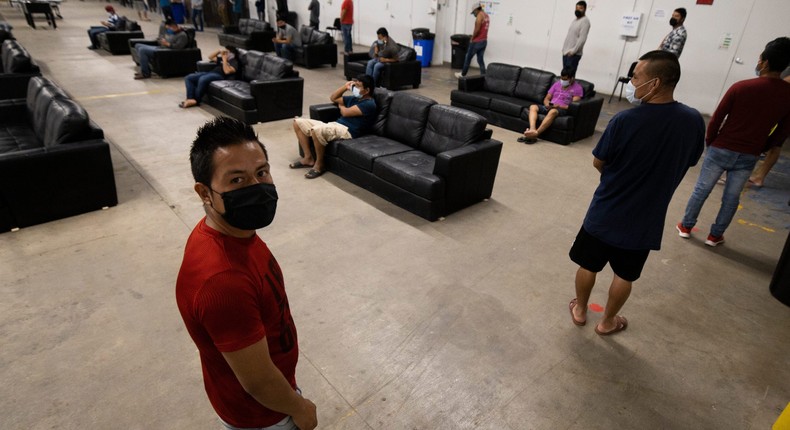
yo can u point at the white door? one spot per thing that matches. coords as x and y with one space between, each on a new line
531 36
400 21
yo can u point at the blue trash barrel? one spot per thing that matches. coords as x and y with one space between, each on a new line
423 45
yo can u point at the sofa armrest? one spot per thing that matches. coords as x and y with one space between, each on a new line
326 112
262 40
205 66
278 99
469 172
472 83
356 56
585 115
135 41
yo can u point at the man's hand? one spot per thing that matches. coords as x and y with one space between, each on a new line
306 419
548 105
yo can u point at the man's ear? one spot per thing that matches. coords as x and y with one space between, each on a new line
203 192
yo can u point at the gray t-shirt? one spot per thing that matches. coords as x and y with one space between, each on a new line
315 10
197 4
178 40
289 32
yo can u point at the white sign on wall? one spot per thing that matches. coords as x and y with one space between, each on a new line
629 24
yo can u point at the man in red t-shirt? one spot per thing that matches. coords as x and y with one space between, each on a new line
346 23
230 289
752 109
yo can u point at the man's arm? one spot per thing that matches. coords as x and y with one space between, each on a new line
547 100
261 379
598 164
721 112
581 39
478 25
343 11
337 95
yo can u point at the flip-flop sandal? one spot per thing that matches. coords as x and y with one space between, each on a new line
572 305
298 165
312 174
181 105
622 324
527 140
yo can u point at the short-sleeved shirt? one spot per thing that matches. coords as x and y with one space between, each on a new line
348 5
231 294
233 62
646 152
675 41
315 10
359 125
113 20
289 32
564 96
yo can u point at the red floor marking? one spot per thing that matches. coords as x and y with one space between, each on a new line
595 307
694 229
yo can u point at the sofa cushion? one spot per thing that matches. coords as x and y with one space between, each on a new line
406 54
237 93
510 106
34 85
66 121
44 99
407 117
15 138
412 171
481 99
233 39
450 127
247 26
533 84
363 151
311 36
588 88
501 78
262 67
15 58
383 99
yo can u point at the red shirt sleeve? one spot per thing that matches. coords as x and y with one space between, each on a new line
716 120
228 310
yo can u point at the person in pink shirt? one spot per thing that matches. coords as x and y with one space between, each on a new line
560 96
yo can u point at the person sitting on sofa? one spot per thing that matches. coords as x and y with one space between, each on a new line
384 51
556 103
286 40
108 25
357 116
174 38
197 82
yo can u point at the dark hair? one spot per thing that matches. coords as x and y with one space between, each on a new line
567 72
169 21
664 66
778 57
582 4
383 31
367 82
220 132
681 11
280 17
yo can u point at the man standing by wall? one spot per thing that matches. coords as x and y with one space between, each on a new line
643 155
676 38
753 109
479 42
230 290
573 47
315 13
346 23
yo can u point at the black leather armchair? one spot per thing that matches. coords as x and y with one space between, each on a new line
171 62
51 135
427 158
17 68
250 34
317 48
116 41
406 71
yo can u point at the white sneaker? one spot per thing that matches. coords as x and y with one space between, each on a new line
458 75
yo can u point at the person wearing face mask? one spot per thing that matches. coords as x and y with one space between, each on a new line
676 39
385 50
226 64
174 38
757 116
230 290
642 156
286 40
560 96
357 116
573 47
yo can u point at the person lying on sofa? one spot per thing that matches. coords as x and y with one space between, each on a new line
286 40
385 50
197 83
560 96
108 25
174 38
357 116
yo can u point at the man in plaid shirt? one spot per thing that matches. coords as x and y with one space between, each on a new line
677 37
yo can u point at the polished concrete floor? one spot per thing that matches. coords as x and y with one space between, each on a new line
403 323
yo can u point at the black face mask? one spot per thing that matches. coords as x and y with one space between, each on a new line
250 208
281 27
673 22
579 14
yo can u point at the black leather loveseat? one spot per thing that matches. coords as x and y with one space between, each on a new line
317 48
406 71
54 161
16 69
504 94
171 62
427 158
267 88
250 34
116 41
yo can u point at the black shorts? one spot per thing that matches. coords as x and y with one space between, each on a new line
592 254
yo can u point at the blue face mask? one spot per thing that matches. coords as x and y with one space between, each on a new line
169 31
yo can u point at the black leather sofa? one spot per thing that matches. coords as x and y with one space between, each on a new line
317 48
116 42
16 69
267 88
250 34
504 94
54 161
406 71
427 158
171 62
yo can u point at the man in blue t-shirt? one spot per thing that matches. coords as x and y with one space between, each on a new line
556 103
357 116
643 155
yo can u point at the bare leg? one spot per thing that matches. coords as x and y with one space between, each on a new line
304 143
585 281
533 121
762 170
319 153
553 113
618 294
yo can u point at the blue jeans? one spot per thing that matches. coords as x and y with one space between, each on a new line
284 50
93 32
346 29
571 63
479 49
717 160
197 15
197 83
374 70
286 424
145 53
